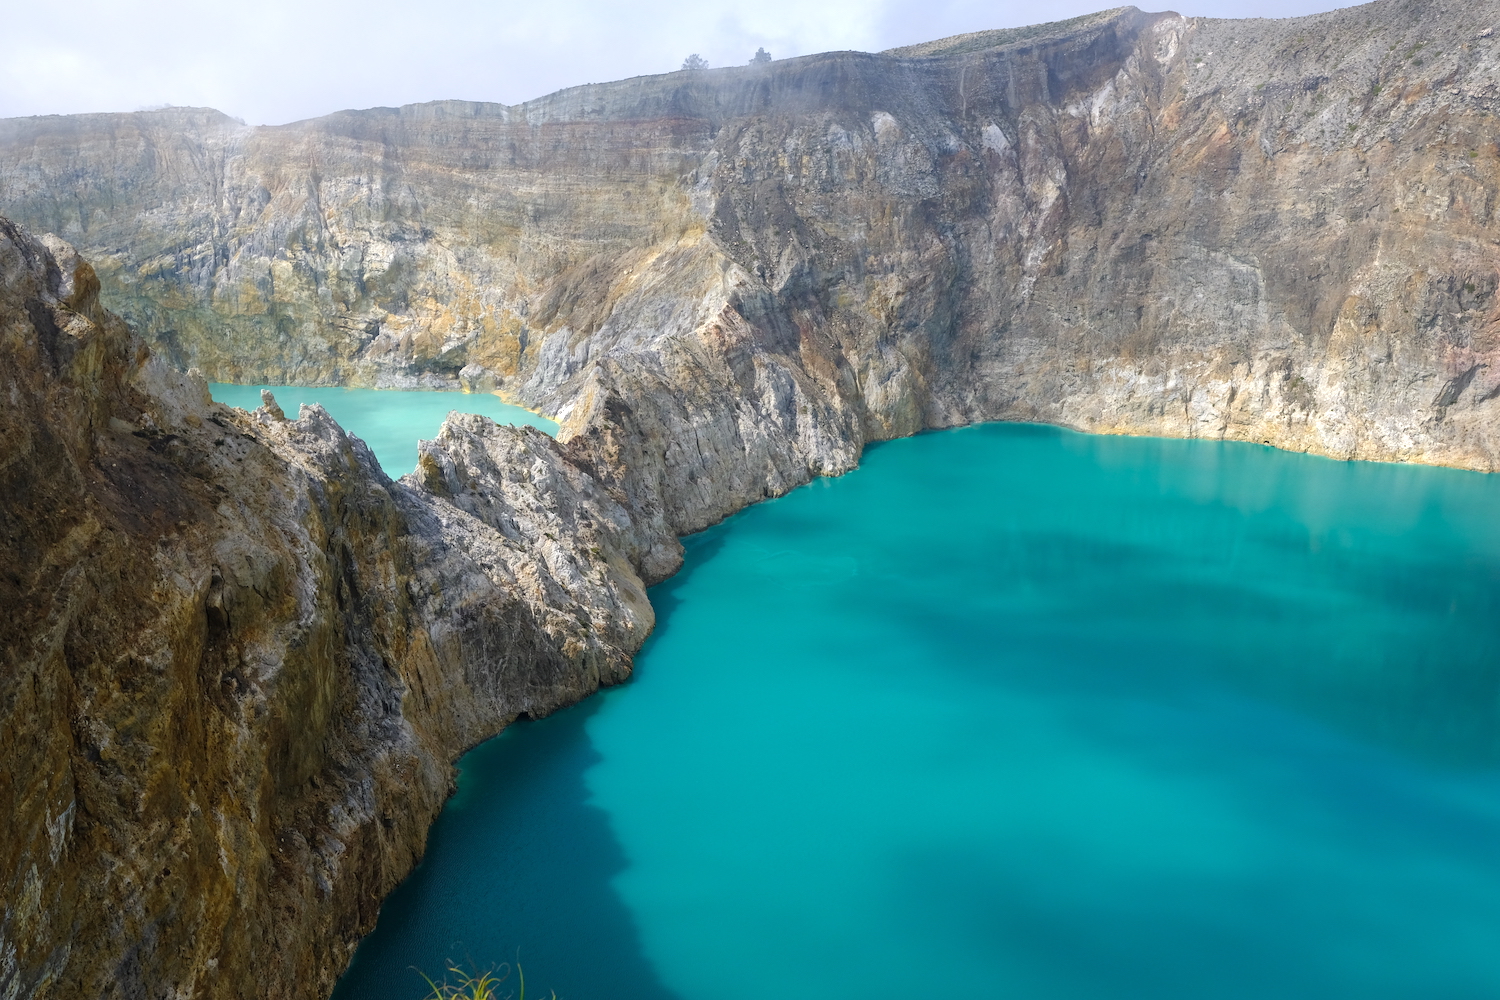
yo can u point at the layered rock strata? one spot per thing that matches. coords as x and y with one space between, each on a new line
238 659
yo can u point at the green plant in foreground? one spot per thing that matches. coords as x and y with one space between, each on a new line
482 986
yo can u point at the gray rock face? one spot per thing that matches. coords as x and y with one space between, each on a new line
237 658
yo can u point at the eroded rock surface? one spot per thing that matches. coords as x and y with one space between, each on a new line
238 659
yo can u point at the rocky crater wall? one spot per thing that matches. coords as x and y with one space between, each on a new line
238 659
726 282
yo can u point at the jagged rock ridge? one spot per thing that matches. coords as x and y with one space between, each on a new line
238 659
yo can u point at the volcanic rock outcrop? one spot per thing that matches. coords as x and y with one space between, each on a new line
236 659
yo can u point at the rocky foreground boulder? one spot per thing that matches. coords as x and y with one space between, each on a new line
236 659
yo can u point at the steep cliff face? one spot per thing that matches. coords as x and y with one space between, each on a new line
237 658
728 281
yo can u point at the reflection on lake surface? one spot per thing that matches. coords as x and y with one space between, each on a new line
1016 712
390 421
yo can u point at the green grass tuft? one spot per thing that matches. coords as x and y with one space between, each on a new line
478 986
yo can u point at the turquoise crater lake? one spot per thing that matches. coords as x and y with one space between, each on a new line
390 421
1015 712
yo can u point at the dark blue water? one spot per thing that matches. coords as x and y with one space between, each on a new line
1015 712
390 421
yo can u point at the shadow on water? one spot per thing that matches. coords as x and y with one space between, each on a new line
519 860
697 550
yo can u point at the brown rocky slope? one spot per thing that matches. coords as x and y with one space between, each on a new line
238 659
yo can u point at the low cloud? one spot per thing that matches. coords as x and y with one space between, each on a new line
281 60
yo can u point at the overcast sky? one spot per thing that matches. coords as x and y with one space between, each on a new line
275 61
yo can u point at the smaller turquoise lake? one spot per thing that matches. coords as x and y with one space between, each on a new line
391 421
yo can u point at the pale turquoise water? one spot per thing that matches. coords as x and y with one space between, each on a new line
1015 712
390 421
